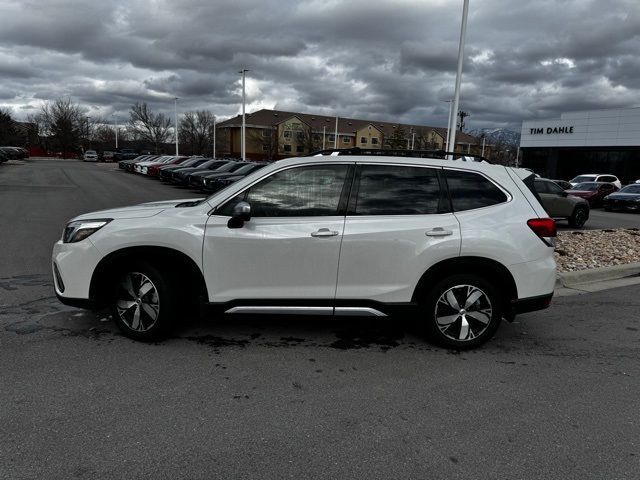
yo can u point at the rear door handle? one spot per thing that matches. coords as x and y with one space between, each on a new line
438 232
324 232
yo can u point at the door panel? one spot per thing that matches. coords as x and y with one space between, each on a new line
272 258
383 257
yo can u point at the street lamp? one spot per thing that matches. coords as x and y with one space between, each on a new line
175 111
456 94
242 138
446 145
214 137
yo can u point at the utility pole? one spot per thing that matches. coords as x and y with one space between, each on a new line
324 135
335 137
462 116
115 124
214 137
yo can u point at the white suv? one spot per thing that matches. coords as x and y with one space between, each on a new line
463 244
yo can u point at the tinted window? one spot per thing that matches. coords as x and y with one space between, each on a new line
541 187
607 178
398 190
296 192
631 189
554 188
470 190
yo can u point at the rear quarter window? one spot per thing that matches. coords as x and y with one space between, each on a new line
469 190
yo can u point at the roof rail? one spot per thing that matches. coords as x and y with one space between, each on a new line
438 154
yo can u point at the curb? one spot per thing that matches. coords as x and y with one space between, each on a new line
570 279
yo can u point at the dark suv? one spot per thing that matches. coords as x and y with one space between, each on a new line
124 154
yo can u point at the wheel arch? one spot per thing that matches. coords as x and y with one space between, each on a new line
174 261
491 270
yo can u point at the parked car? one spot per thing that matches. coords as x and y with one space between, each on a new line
194 179
90 156
3 156
596 177
563 184
141 167
154 168
592 192
180 176
128 164
165 174
462 244
217 181
559 204
12 153
125 154
628 198
107 156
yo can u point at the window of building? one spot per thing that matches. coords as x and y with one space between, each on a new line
470 190
299 148
332 138
265 147
346 139
287 148
286 134
266 132
374 141
363 140
399 190
300 136
297 192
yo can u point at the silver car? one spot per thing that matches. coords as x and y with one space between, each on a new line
559 204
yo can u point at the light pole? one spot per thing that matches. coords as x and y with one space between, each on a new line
446 145
324 135
115 124
175 111
88 118
214 137
335 137
242 136
456 95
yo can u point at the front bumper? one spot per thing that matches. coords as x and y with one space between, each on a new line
75 264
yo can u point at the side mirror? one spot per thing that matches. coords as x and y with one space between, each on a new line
241 214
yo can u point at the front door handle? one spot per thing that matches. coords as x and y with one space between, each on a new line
324 232
438 232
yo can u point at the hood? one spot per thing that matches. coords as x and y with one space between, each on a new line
136 211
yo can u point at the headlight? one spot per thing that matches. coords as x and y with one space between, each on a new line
81 229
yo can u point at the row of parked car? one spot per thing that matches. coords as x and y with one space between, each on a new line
201 173
574 199
12 153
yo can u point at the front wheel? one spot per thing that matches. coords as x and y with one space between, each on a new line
461 311
144 302
579 217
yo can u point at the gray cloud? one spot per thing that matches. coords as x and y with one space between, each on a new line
391 61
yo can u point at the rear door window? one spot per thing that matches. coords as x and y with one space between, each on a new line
469 190
398 190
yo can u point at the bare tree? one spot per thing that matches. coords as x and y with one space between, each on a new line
195 131
7 129
64 122
150 127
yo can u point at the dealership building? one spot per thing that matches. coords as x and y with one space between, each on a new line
595 141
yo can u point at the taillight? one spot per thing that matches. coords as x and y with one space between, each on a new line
545 228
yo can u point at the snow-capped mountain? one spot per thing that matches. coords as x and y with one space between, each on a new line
498 135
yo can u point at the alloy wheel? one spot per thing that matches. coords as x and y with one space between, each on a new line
463 312
137 302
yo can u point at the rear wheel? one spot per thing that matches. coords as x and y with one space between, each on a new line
461 311
579 217
144 302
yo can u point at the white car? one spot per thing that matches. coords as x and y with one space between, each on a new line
141 167
90 156
464 244
596 177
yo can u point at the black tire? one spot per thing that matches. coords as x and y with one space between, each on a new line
445 325
579 217
126 303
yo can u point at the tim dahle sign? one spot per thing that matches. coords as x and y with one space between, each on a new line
550 130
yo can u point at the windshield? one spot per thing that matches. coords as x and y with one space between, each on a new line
583 178
586 187
246 168
631 189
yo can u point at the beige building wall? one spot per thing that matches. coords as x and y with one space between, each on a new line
369 137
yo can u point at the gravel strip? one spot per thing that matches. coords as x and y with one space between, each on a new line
579 250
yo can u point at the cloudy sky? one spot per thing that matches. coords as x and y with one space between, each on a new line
389 60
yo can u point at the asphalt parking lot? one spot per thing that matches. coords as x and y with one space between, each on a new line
553 395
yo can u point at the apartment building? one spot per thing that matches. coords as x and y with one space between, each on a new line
275 134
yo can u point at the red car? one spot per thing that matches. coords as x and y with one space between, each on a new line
154 168
593 192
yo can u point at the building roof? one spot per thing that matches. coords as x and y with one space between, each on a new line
346 126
